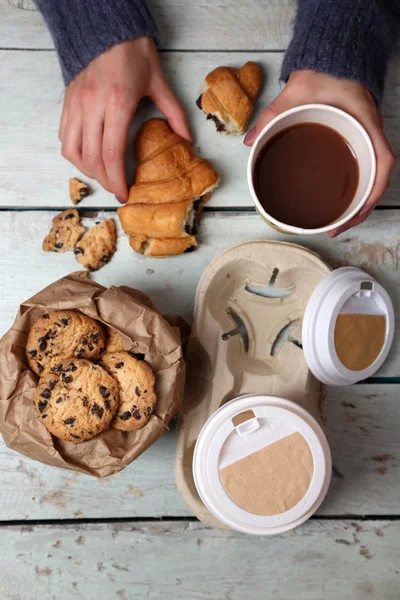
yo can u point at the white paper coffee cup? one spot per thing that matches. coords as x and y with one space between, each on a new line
346 126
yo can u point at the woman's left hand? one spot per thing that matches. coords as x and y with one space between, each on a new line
309 87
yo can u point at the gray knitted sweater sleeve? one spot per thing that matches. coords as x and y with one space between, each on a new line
352 39
84 29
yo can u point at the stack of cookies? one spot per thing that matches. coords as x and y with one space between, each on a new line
171 187
87 381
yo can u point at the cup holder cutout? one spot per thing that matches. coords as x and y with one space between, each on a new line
269 291
287 334
240 329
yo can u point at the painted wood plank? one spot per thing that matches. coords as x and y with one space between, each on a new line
363 423
374 246
250 25
33 173
351 560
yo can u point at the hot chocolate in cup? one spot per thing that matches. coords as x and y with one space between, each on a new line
349 129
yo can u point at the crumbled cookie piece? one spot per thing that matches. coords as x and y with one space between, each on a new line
77 402
96 248
65 232
78 190
60 335
136 384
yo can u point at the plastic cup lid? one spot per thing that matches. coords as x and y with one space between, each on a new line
346 290
221 443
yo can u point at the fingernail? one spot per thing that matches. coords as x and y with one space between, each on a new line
250 136
120 199
338 231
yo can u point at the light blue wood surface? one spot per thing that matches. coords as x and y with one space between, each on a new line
351 549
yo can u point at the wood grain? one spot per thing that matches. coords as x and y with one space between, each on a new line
374 246
33 173
351 560
183 25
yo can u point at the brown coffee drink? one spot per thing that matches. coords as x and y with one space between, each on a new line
306 176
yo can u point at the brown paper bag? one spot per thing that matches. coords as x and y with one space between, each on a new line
143 331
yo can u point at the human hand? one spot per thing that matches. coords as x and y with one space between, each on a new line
309 87
99 105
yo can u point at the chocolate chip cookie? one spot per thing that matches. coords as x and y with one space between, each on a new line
136 383
77 402
63 334
114 341
96 248
78 190
65 232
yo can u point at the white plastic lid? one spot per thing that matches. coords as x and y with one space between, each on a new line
220 443
345 290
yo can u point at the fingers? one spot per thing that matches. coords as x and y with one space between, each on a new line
167 103
385 161
279 105
120 110
71 148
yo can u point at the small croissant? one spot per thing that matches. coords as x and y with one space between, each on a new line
171 187
228 96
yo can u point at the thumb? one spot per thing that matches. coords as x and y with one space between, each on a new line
271 111
168 104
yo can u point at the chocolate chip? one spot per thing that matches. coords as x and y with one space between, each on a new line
91 269
59 245
60 399
69 216
67 378
80 353
119 365
190 249
52 384
97 410
73 366
104 391
44 416
91 348
199 102
69 421
45 394
77 251
57 324
95 338
42 346
105 259
76 437
46 316
144 391
65 321
137 391
149 410
39 367
33 353
136 415
125 416
85 402
107 405
56 368
42 406
84 341
90 432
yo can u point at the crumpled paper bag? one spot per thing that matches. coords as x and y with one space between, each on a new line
143 331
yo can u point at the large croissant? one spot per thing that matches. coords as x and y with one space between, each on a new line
228 95
171 187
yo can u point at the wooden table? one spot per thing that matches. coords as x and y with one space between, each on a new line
65 535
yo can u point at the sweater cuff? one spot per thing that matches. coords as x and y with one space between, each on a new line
84 29
350 39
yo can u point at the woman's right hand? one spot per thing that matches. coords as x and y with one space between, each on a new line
100 103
